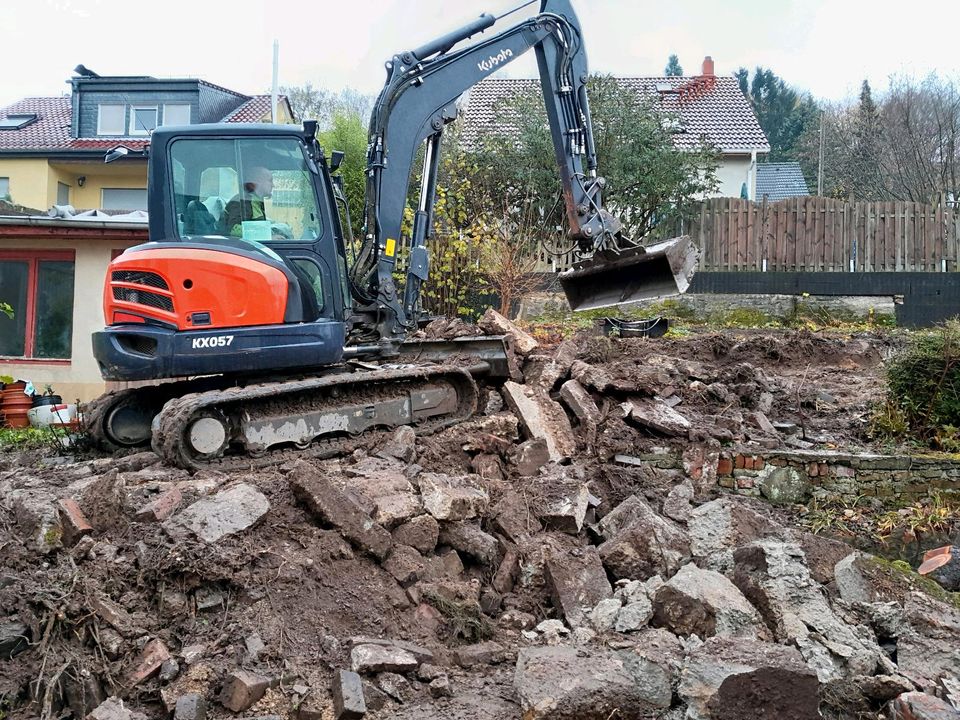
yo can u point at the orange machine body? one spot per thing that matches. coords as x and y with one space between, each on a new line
193 289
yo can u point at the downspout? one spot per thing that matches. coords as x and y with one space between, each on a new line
752 177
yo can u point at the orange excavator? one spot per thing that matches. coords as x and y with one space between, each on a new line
274 336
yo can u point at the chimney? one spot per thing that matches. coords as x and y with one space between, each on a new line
707 66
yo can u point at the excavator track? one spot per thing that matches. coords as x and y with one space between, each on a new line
267 423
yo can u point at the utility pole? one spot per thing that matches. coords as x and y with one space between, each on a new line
276 72
820 161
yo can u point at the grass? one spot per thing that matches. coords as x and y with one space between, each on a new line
464 619
901 573
31 438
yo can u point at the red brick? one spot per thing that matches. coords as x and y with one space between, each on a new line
824 470
813 469
154 655
759 463
75 523
745 482
724 466
161 508
738 463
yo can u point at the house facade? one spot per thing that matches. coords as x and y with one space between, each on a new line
699 108
52 148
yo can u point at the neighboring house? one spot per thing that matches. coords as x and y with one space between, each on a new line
52 148
703 107
780 180
52 153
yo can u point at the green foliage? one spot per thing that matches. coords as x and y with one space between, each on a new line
936 515
923 385
673 68
31 438
348 133
6 309
649 182
902 574
783 113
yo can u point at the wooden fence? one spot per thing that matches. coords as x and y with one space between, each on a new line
820 234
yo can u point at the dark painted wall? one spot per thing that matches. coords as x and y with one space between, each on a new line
928 297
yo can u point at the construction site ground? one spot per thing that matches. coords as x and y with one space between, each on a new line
527 563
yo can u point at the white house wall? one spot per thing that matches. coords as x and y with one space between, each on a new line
734 170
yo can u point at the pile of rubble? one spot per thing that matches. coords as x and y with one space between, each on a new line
508 567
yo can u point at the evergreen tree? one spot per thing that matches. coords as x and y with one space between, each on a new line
673 68
865 180
782 112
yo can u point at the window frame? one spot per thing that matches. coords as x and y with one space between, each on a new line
123 122
132 131
33 258
187 105
5 193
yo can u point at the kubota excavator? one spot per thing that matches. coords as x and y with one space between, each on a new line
283 341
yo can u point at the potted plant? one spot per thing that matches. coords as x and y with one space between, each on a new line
48 398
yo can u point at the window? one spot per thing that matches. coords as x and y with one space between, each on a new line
39 288
123 199
15 122
143 119
176 114
4 188
257 189
63 194
110 119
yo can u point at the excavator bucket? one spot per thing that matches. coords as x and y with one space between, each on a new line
659 270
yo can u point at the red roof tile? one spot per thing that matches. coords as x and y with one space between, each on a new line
255 110
713 110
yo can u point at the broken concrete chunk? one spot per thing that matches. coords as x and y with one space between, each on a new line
705 603
577 582
381 658
347 691
392 510
228 512
657 416
531 455
242 689
453 498
315 490
420 532
740 678
514 517
440 687
634 615
483 653
852 581
566 507
928 649
574 683
405 564
678 504
720 525
402 444
493 323
921 706
469 539
604 615
641 543
542 417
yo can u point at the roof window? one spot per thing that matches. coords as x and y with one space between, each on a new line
15 122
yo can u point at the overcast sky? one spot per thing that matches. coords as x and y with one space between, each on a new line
827 48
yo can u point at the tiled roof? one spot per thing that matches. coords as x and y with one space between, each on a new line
780 180
51 130
710 107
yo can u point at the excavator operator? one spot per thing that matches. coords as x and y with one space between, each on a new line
248 204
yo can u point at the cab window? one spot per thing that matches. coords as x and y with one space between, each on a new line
256 189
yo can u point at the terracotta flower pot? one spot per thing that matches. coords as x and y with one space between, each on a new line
15 405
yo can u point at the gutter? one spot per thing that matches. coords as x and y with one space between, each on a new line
74 223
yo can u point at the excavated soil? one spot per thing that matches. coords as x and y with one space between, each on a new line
283 597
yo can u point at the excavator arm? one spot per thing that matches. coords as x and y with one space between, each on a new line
419 98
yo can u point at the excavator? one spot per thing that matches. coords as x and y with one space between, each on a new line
265 335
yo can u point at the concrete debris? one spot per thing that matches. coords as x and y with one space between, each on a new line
113 709
580 683
484 653
440 687
604 615
381 658
191 706
705 603
657 416
493 323
313 489
566 507
852 581
577 582
453 498
420 533
678 505
739 678
228 512
719 526
543 418
402 445
634 615
530 456
640 542
469 539
920 706
927 647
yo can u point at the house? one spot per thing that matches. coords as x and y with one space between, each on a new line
52 152
780 180
705 107
52 148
